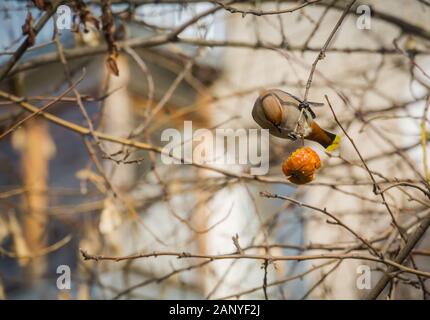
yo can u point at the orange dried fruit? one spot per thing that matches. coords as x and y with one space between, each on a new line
301 166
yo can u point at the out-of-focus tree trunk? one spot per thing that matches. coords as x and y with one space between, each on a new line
35 154
36 147
118 121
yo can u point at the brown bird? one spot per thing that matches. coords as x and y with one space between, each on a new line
282 114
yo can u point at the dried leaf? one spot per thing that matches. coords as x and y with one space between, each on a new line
112 66
27 24
86 18
108 27
27 29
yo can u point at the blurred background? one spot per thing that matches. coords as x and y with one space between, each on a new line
130 69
